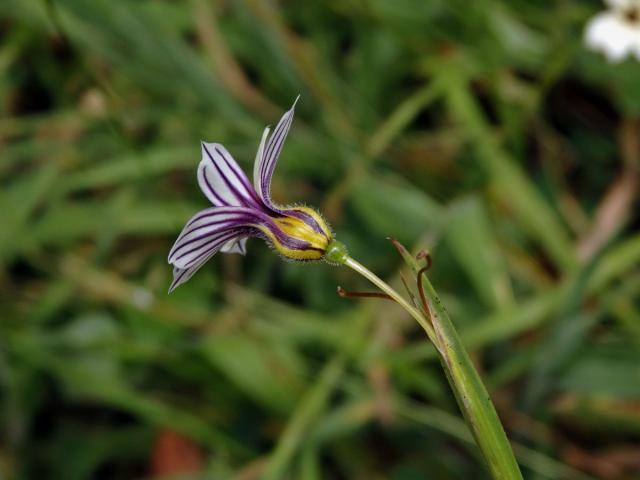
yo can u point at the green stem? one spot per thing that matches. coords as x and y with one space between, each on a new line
471 394
386 288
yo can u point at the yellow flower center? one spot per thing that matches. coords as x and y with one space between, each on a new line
298 229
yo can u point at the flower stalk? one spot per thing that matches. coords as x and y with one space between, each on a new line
386 288
468 388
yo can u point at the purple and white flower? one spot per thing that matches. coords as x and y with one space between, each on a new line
616 32
241 210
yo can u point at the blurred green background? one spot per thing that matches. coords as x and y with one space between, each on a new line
482 131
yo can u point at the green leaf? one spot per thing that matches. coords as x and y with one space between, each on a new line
473 399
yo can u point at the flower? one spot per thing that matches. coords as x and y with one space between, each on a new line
616 32
241 210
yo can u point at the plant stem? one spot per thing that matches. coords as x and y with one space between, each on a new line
472 397
386 288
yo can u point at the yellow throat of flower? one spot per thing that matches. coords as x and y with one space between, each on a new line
300 230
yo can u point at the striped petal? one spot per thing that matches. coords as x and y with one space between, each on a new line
209 231
268 153
181 275
241 211
223 181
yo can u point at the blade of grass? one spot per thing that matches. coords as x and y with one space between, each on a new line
472 397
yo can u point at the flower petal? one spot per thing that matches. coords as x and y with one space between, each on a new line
182 275
268 155
223 181
610 34
210 230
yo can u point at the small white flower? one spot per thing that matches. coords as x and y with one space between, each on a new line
616 32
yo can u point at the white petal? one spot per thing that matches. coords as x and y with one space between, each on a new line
181 275
268 155
610 34
257 165
210 230
207 233
222 180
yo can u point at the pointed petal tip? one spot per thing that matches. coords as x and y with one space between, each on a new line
172 287
203 150
208 146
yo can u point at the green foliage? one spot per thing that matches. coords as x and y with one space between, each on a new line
483 132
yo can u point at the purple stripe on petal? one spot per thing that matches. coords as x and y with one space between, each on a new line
274 147
208 224
219 243
178 275
213 212
182 275
206 227
213 219
240 199
200 238
286 240
245 198
305 217
222 221
274 144
200 233
187 259
213 196
239 174
268 160
183 257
